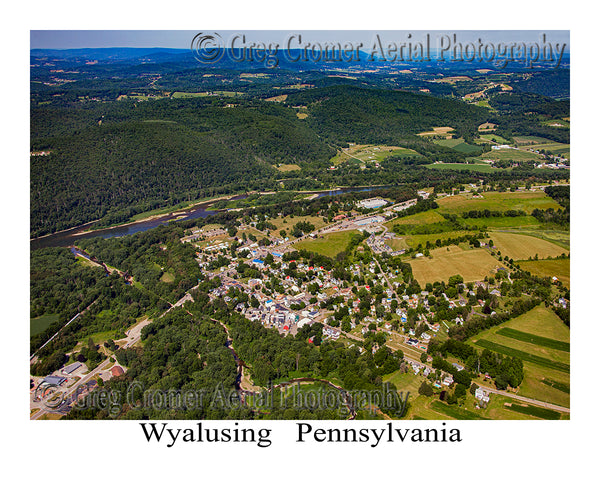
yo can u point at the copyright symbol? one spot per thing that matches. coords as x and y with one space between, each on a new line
50 396
208 48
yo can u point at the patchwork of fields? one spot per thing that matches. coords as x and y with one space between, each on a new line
542 341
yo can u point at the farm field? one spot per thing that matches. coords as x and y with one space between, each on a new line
370 153
472 265
490 137
290 167
435 131
559 268
546 377
509 154
459 145
558 237
414 240
563 149
330 245
41 323
522 247
421 218
288 222
397 243
471 167
502 222
503 201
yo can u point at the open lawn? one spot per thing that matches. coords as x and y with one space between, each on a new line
41 323
522 247
472 265
330 245
521 200
559 268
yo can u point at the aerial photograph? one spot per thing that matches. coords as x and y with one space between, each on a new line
299 225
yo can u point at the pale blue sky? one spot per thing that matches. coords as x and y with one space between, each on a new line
63 39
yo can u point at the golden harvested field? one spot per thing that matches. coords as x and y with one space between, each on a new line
521 247
278 98
559 268
288 167
472 265
437 131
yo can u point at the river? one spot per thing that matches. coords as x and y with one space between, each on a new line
68 237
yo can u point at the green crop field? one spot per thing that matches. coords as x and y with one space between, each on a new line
526 201
535 339
472 265
413 240
529 140
525 356
509 154
538 321
522 247
535 411
330 245
526 221
559 268
421 218
471 167
559 386
454 412
542 382
490 137
41 323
